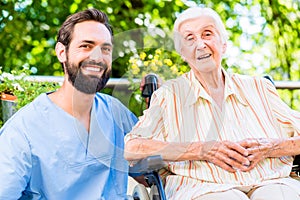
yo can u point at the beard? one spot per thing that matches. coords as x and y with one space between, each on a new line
88 84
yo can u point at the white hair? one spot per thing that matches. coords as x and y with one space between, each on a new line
198 12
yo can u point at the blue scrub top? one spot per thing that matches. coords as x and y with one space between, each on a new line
45 153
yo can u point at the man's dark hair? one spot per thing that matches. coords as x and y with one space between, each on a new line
65 33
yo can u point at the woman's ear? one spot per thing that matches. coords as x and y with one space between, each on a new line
224 47
61 53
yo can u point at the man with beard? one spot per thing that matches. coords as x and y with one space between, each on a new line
68 144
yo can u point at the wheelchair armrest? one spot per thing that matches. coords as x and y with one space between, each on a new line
296 165
148 164
149 167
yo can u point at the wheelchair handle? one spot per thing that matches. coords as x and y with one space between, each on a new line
150 86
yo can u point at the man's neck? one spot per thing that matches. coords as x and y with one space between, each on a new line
74 102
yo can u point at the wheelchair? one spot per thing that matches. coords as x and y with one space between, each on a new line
151 165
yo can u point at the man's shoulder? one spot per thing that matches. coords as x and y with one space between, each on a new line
110 102
35 105
106 98
30 112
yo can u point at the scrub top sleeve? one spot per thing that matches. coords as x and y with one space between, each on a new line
15 164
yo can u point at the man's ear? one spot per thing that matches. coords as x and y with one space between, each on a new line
61 53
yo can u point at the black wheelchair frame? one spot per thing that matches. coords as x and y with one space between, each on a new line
149 167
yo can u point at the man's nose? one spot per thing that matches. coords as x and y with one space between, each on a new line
96 54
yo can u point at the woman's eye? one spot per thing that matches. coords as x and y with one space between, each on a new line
207 33
189 38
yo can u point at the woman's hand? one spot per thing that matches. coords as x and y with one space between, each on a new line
227 155
258 148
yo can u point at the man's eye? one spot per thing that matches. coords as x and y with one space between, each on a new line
106 49
84 46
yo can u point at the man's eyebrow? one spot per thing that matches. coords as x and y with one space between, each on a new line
107 44
87 41
93 42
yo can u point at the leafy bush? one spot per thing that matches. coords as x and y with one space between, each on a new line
16 84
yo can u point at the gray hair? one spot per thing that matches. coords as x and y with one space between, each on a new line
197 12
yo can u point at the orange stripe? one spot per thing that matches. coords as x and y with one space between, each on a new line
180 184
175 109
211 171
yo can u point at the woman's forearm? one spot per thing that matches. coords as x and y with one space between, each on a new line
136 149
285 147
228 155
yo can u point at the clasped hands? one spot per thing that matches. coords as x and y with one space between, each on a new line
233 156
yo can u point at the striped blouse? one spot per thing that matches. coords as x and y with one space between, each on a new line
182 111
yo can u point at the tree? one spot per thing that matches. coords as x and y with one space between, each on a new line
264 34
28 28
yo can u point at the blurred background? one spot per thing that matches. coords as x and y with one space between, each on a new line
264 39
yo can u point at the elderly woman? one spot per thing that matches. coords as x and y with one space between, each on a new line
226 136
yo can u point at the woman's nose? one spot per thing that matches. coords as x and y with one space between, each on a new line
96 54
200 43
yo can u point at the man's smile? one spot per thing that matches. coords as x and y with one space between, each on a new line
93 68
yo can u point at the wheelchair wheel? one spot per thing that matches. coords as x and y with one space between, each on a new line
140 193
154 193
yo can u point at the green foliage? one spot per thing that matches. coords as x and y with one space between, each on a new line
16 84
165 64
28 28
264 35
